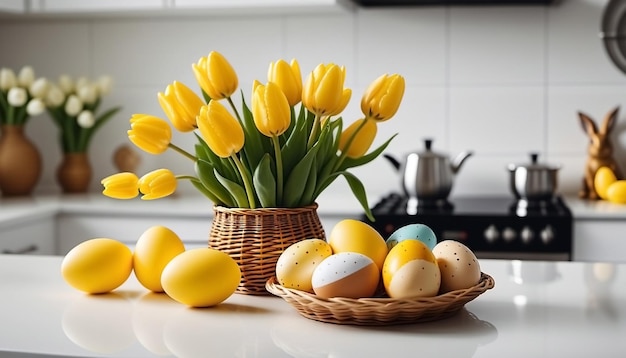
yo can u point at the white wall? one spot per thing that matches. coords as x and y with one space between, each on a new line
501 81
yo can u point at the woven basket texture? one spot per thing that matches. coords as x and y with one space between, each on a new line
379 311
255 238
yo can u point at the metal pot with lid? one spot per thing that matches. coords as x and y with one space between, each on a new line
533 181
428 175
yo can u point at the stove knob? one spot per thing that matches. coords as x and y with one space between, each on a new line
491 234
547 235
527 235
509 234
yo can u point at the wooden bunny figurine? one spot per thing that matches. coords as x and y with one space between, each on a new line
600 151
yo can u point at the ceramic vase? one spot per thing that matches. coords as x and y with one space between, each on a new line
20 162
74 173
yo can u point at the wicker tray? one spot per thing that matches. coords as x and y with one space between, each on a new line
379 311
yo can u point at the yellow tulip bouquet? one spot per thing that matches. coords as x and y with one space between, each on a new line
271 154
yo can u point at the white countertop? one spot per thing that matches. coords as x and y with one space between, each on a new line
536 309
595 209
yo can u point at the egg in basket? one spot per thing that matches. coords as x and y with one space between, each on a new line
358 277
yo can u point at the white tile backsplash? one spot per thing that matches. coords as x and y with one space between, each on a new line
497 45
499 80
312 42
407 41
575 51
565 133
497 120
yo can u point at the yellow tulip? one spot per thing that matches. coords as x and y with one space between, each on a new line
270 110
151 134
121 186
323 92
216 76
181 105
157 184
362 132
220 130
383 96
288 78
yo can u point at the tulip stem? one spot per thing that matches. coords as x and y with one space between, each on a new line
10 114
344 152
182 151
279 170
246 181
232 105
314 132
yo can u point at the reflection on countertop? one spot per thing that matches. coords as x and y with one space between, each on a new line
543 309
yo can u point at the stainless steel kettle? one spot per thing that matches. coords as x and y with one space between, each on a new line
428 175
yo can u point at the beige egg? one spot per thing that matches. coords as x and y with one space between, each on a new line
458 265
295 266
346 274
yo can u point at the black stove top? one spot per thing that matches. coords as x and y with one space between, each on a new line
493 227
397 204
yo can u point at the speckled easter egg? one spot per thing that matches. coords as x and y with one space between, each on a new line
295 266
458 265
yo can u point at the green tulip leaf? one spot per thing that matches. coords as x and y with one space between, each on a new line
202 189
294 148
222 165
264 182
325 153
298 178
359 192
206 174
309 188
236 190
256 144
201 151
355 162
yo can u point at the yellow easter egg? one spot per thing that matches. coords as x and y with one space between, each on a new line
616 192
201 277
296 264
410 270
97 265
351 235
155 248
602 180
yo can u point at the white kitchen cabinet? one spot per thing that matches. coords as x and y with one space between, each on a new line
15 6
600 240
33 238
74 228
78 6
81 8
264 6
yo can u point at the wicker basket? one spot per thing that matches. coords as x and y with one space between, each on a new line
255 238
379 311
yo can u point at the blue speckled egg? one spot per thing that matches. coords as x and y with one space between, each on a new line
419 232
